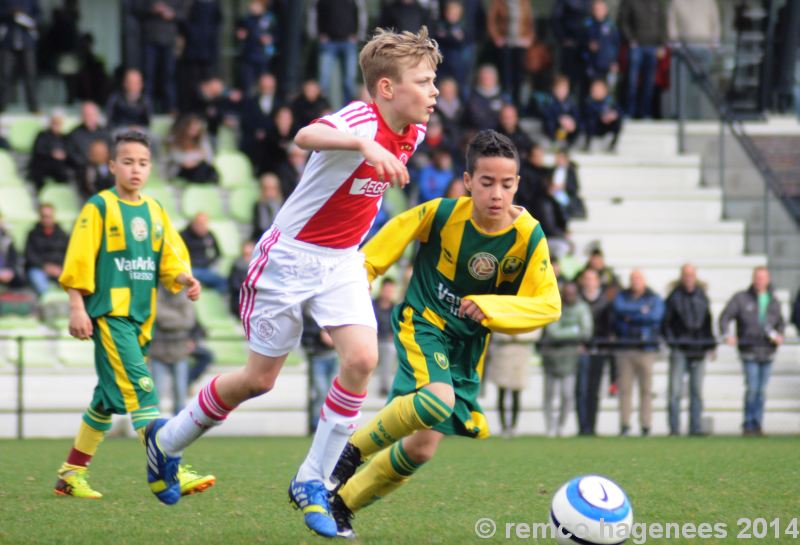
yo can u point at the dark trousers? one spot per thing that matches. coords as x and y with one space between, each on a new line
587 395
159 66
25 60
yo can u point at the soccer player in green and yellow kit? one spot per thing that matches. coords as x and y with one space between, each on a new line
483 265
122 245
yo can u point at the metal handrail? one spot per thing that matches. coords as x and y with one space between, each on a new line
683 54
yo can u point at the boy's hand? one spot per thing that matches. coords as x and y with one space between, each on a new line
388 167
470 310
80 325
191 284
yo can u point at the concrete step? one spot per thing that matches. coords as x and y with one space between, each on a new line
623 225
668 196
614 177
644 244
603 209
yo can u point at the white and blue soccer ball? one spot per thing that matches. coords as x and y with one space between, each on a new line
591 510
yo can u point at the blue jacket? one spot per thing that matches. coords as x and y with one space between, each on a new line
252 50
14 35
606 35
550 110
638 319
567 17
595 109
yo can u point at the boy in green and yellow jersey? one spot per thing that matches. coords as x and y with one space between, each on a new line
483 265
122 245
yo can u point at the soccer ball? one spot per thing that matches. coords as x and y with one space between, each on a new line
591 510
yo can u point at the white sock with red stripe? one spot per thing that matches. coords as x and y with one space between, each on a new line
338 419
200 415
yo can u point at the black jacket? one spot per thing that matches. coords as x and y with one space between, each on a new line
120 112
752 335
41 248
643 22
687 322
203 250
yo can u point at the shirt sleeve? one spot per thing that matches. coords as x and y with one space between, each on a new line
174 257
84 245
536 304
390 242
357 118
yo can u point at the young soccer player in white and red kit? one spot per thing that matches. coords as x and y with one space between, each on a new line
310 257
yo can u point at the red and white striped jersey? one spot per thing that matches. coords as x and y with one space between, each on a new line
339 194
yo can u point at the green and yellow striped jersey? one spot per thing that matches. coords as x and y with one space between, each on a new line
507 274
117 253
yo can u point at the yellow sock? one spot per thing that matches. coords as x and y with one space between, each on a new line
403 416
383 474
86 443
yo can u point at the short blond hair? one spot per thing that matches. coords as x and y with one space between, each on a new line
388 53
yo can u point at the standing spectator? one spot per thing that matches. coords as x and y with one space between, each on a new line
49 156
511 355
591 364
533 178
257 39
402 15
273 154
61 42
95 176
795 317
482 110
131 34
338 26
560 114
510 26
509 126
310 104
451 35
600 47
268 204
602 115
608 279
759 333
171 345
323 364
129 108
256 119
203 252
435 177
562 344
474 24
643 26
81 138
160 22
19 34
695 23
190 156
238 275
10 276
45 249
91 81
201 45
687 331
638 312
566 186
383 305
567 20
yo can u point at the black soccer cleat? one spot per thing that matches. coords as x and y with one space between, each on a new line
342 515
345 468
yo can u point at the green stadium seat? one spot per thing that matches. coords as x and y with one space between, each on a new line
40 353
8 169
64 198
212 308
76 353
19 230
228 352
203 198
240 204
160 126
226 139
234 169
166 197
16 204
228 238
22 132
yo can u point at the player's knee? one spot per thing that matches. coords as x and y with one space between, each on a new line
360 361
259 383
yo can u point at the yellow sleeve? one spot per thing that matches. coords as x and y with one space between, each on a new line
174 257
84 245
536 304
388 244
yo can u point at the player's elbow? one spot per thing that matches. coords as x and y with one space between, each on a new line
303 139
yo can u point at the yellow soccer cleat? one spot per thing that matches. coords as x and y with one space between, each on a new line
191 482
73 483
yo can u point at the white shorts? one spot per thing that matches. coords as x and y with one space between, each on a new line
286 275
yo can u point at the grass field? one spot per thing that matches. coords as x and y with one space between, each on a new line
716 480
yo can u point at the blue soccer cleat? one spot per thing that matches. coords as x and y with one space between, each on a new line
312 498
162 470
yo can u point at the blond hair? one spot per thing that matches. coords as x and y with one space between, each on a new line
388 53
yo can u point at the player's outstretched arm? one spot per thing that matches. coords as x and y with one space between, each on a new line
390 242
536 304
321 137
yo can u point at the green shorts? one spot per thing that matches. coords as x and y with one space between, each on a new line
427 354
124 383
